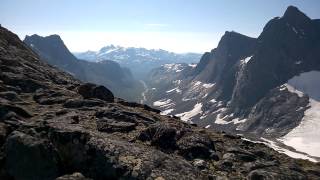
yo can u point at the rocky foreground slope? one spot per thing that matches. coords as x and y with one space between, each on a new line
53 126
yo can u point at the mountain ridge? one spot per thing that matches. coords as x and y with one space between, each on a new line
245 85
139 60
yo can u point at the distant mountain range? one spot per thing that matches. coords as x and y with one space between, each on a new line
139 60
264 87
109 73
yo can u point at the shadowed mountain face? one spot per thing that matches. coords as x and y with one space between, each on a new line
54 126
53 50
249 85
287 46
108 73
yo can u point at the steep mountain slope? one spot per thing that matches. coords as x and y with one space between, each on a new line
239 86
139 60
53 126
108 73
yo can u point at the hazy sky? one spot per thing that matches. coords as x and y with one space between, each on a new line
175 25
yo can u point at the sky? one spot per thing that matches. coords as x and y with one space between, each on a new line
174 25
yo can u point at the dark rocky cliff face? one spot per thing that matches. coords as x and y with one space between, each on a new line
287 46
53 126
54 51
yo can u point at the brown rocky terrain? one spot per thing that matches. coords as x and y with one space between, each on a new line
52 126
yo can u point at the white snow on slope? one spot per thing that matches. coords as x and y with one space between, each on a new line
166 112
208 85
163 103
305 137
246 60
197 83
173 67
274 146
174 89
220 120
294 29
213 100
186 116
177 82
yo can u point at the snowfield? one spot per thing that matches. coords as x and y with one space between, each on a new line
306 136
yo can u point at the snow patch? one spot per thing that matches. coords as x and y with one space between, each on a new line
173 67
174 89
164 103
208 85
177 82
213 100
220 120
197 83
166 112
294 29
246 60
186 116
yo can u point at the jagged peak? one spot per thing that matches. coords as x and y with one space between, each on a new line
294 14
52 38
232 37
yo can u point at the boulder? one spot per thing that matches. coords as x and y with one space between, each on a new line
7 110
74 176
160 135
196 145
89 90
29 157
